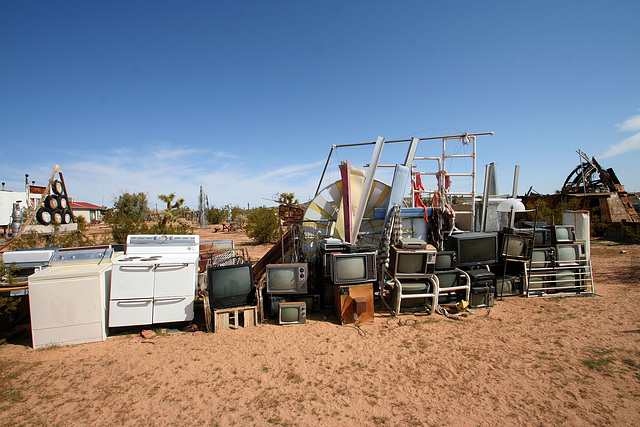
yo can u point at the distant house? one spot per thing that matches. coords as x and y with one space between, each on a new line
87 210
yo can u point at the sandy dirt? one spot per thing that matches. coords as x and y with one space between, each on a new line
526 361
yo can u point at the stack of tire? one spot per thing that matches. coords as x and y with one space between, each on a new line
56 206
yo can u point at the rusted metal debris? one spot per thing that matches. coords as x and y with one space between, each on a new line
597 187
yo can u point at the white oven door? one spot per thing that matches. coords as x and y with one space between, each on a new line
130 312
173 309
175 279
131 281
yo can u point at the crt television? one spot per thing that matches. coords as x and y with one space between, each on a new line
287 278
474 249
515 244
570 254
230 286
291 313
446 260
563 234
348 268
542 237
543 257
411 263
449 279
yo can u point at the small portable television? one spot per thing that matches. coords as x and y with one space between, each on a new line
542 237
449 283
287 278
570 254
474 249
543 257
352 268
514 244
449 279
230 286
446 260
562 234
411 263
292 313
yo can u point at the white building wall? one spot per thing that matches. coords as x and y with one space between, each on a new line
7 199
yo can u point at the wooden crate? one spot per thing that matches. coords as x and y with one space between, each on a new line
229 318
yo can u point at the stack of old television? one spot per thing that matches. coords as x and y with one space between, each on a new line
459 273
286 289
344 277
348 274
539 259
528 260
476 254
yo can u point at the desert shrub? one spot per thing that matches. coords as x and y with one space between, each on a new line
7 275
551 214
123 225
218 215
128 216
178 226
631 233
263 225
598 224
33 239
237 213
134 206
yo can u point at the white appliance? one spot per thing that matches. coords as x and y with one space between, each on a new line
68 300
155 281
25 258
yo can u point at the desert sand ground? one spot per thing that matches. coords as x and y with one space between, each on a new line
526 361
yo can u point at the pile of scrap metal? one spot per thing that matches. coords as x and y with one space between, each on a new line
595 188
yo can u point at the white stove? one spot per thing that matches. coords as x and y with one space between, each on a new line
155 280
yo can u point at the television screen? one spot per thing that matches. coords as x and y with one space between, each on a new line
292 313
350 268
474 249
570 254
287 278
542 257
542 237
446 260
230 286
411 263
563 234
359 267
514 245
448 279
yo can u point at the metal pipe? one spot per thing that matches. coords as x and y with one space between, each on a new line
516 175
324 170
470 135
366 187
473 184
485 196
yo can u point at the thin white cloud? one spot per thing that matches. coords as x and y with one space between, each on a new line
632 143
632 124
227 179
629 144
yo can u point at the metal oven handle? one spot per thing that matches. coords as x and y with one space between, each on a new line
136 267
184 264
168 300
133 302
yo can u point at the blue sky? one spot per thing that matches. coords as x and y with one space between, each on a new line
247 97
